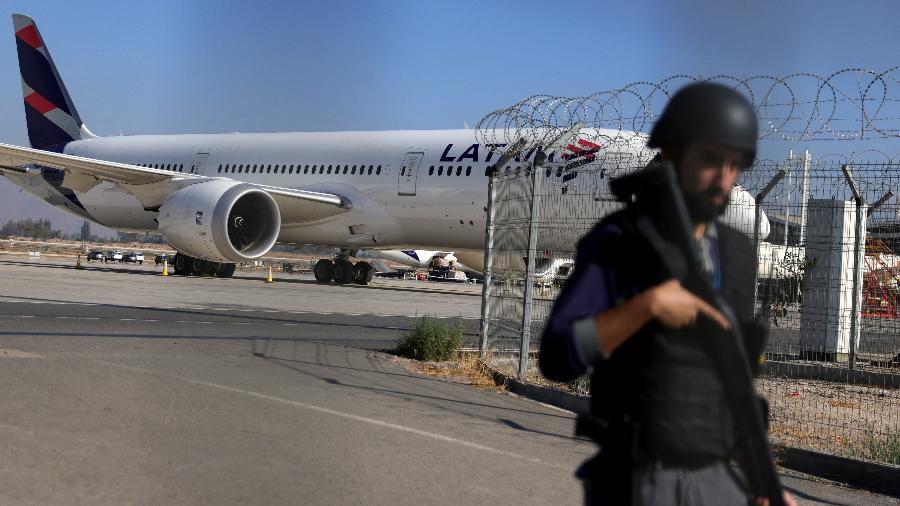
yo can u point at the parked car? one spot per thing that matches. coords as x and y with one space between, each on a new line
113 256
96 255
134 257
162 258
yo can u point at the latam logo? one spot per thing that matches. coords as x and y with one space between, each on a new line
583 150
199 218
587 149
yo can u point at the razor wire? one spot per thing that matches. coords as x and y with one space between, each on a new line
850 104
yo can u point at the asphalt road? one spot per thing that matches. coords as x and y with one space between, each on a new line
238 392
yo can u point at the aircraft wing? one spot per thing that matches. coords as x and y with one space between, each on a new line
152 186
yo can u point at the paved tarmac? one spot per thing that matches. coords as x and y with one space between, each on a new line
124 387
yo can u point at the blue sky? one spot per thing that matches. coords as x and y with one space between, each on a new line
217 66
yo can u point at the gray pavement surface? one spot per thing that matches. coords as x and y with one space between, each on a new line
124 387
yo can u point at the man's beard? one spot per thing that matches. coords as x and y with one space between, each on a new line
700 206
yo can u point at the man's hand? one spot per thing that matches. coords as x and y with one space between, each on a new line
675 307
787 498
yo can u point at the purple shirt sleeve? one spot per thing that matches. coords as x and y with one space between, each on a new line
569 345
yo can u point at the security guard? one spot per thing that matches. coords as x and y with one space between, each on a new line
658 409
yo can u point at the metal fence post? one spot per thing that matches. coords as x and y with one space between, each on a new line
527 309
756 220
488 266
857 261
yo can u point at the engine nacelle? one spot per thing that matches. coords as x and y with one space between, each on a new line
221 221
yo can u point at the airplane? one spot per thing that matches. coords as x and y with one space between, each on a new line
222 199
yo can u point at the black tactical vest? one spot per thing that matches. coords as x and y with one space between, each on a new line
663 384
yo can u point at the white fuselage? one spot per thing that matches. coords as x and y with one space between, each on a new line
440 203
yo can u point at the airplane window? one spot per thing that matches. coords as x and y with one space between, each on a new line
431 171
220 168
441 170
181 166
469 170
449 171
329 169
378 171
370 170
402 170
306 169
353 170
283 168
346 168
291 169
268 170
459 170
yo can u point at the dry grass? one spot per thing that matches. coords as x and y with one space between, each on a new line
467 368
842 403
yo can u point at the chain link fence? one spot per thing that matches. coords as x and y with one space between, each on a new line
828 251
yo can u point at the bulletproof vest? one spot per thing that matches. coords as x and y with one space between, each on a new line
664 382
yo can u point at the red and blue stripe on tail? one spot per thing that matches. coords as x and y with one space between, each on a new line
50 114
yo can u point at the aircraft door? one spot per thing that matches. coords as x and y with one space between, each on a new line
199 161
409 169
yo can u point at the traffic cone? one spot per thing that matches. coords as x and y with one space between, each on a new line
78 262
269 279
165 268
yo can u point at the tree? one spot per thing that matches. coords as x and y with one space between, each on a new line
85 231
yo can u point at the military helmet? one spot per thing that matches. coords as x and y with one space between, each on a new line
708 112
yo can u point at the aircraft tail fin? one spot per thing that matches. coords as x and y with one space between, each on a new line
50 114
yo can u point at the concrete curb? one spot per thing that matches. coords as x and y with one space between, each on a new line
871 476
836 374
879 478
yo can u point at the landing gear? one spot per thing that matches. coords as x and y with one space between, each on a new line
184 265
324 271
225 270
204 267
342 271
363 273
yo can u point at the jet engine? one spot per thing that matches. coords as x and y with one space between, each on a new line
220 221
